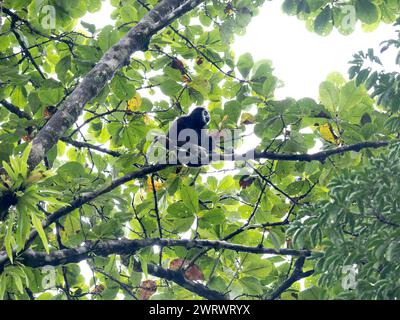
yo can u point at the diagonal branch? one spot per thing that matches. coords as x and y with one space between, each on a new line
15 110
24 48
296 275
179 279
115 58
122 285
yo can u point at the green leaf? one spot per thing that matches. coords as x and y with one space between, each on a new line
18 97
251 285
290 7
88 26
23 228
9 239
74 8
329 95
190 198
243 18
362 76
245 63
18 283
50 97
323 22
350 96
226 184
71 169
232 110
367 11
122 88
212 217
313 293
62 68
13 175
3 285
144 266
24 160
128 13
93 5
218 284
180 216
257 267
107 38
371 81
269 86
39 228
170 88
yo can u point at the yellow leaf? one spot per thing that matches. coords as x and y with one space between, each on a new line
247 118
135 103
157 185
147 120
328 134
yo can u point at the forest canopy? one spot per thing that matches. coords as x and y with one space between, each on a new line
313 214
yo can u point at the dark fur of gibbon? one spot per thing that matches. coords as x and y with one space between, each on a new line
189 138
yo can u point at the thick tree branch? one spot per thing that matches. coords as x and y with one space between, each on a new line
116 57
127 247
35 259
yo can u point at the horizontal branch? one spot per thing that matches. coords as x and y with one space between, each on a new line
128 247
35 259
251 154
318 156
322 155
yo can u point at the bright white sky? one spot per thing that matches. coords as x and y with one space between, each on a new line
301 59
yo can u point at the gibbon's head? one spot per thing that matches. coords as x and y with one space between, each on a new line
200 117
